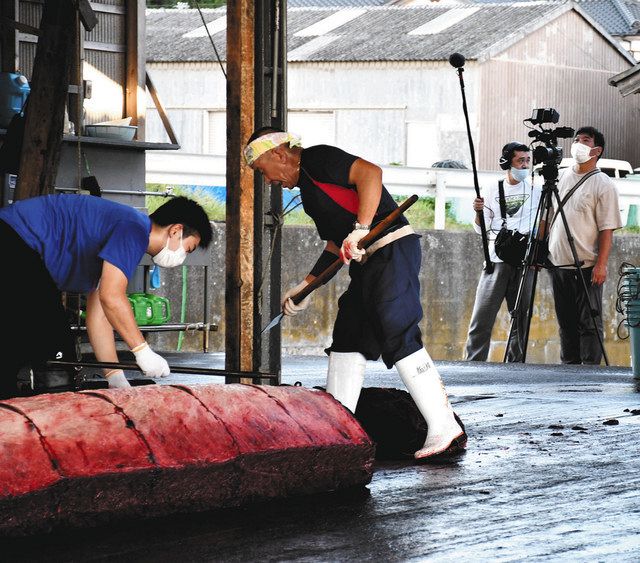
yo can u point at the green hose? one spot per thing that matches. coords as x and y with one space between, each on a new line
183 306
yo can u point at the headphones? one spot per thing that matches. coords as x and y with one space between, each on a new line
507 154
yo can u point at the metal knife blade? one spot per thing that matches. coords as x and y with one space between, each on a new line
273 323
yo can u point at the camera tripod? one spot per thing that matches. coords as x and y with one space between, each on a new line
532 261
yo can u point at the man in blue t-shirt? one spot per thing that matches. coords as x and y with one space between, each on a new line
84 244
379 313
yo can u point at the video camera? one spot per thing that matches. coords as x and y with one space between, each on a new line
549 152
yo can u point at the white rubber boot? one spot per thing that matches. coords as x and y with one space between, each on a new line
427 390
345 377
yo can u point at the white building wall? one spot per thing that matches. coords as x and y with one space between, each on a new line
188 92
378 104
384 112
632 44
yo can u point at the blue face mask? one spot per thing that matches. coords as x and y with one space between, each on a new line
519 174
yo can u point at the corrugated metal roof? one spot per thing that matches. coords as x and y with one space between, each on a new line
334 3
444 21
334 21
616 16
166 31
377 34
211 28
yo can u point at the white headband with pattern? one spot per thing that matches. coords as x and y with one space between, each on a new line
256 148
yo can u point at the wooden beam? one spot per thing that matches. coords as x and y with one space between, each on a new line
8 37
45 111
23 27
104 47
239 312
75 93
108 9
161 111
135 93
87 15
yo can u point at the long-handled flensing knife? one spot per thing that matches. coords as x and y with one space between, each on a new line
331 270
174 369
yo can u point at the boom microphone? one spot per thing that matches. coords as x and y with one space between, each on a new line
457 60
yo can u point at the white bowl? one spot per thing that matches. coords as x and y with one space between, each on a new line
118 132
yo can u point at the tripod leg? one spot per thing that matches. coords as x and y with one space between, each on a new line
590 321
592 305
521 310
513 348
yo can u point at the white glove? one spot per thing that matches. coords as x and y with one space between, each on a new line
151 364
349 250
289 308
116 379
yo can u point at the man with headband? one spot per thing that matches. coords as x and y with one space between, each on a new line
379 313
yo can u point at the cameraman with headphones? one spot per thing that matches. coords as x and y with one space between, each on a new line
517 213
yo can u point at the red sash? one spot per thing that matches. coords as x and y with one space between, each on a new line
344 197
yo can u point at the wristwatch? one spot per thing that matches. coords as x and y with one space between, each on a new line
360 227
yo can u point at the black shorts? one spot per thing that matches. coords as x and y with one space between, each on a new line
379 313
38 328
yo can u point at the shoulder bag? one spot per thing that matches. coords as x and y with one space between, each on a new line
510 245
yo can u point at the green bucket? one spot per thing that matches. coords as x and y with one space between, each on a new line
150 309
161 309
142 308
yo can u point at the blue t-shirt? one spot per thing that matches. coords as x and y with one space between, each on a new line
74 234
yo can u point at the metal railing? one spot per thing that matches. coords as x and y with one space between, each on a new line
444 184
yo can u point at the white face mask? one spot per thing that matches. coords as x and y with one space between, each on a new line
519 174
168 258
581 153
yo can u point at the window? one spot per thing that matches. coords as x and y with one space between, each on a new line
422 144
217 138
315 127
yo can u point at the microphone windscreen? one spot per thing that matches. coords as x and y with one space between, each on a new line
457 60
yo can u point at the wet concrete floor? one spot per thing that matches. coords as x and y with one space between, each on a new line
548 476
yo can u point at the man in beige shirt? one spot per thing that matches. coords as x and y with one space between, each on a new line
592 214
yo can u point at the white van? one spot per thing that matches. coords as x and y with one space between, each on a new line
610 166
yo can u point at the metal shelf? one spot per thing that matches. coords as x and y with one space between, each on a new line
114 143
164 328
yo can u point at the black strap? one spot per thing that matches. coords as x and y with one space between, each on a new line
503 203
571 192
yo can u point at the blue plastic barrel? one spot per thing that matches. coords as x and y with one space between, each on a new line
14 89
